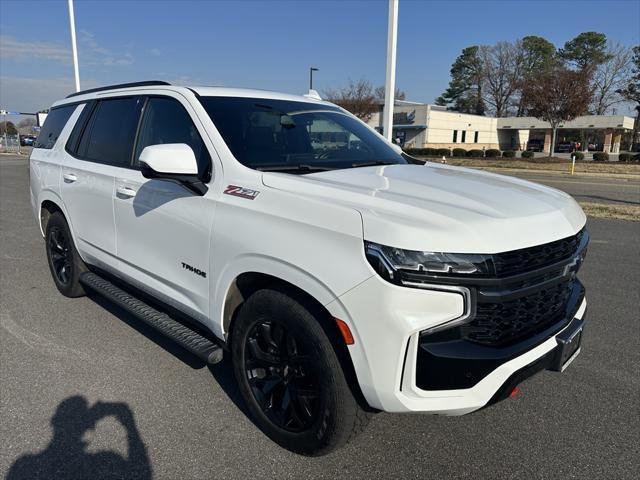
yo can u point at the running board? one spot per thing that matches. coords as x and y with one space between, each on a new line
203 348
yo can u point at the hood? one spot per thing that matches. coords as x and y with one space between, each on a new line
443 208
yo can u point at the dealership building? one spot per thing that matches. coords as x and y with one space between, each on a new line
419 125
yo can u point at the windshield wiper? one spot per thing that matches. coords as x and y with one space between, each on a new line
372 164
300 167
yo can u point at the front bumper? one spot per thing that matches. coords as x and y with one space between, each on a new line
388 322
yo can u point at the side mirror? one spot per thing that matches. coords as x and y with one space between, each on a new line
172 161
397 148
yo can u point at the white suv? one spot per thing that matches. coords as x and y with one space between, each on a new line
341 278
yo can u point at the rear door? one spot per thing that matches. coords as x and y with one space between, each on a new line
99 149
163 230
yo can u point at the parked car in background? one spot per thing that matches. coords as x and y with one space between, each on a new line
565 147
27 140
535 145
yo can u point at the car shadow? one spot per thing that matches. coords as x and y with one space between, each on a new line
222 372
152 334
66 456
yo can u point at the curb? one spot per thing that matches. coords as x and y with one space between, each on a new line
626 176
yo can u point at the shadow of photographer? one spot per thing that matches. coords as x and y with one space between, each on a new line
66 456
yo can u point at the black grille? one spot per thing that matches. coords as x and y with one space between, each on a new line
526 259
500 324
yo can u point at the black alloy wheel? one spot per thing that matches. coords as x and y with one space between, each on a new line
281 376
289 374
60 255
64 261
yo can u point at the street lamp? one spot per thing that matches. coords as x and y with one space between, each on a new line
311 70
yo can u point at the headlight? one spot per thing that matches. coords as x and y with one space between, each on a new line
396 264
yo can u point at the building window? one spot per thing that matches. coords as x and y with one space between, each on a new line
475 137
464 136
455 136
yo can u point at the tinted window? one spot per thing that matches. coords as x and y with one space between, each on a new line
109 135
53 125
78 128
166 121
263 133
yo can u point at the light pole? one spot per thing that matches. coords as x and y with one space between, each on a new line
311 70
74 48
390 85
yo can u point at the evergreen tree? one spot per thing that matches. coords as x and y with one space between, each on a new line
464 93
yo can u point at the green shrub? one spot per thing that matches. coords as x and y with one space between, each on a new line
600 156
459 152
636 157
475 153
426 152
625 157
443 152
492 153
528 154
578 155
508 154
415 151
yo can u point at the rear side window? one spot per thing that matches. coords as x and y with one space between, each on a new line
53 125
109 135
166 121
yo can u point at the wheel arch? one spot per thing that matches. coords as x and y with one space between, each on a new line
49 202
247 282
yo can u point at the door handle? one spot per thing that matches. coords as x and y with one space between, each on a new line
69 177
127 192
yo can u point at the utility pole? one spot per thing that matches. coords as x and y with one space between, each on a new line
74 48
390 84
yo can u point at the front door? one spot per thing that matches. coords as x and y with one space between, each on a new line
162 229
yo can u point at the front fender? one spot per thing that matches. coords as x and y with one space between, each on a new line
257 263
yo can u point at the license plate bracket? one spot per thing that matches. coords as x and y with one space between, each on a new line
568 348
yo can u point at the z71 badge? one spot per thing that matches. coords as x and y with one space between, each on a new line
241 192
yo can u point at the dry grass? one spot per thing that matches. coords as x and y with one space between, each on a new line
553 165
612 211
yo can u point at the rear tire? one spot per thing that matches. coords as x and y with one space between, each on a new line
65 263
290 377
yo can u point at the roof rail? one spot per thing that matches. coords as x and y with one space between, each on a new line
148 83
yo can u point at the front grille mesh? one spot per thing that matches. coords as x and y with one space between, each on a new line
526 259
503 322
499 324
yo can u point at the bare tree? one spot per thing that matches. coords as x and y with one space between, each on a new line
358 98
610 78
380 91
27 122
557 95
631 91
502 66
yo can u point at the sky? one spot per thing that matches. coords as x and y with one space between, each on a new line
272 44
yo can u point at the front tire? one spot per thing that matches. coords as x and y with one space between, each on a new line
290 377
65 263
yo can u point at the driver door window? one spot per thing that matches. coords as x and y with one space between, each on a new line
166 121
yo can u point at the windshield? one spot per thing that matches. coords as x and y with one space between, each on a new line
296 137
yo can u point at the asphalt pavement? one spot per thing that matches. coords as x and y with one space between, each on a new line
164 415
620 191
